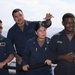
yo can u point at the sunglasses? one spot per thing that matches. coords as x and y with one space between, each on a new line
1 27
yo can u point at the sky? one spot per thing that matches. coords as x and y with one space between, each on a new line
35 10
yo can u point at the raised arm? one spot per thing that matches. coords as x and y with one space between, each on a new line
48 19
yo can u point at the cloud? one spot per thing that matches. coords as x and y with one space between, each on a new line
35 10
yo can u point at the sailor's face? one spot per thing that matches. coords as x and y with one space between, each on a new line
41 32
69 24
18 17
0 28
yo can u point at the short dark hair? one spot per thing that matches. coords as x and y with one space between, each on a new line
0 21
67 15
16 10
39 24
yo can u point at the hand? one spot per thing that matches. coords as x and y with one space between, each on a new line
19 59
74 61
73 56
48 16
2 65
48 62
25 67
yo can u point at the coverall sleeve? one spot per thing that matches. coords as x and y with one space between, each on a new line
9 47
52 53
26 55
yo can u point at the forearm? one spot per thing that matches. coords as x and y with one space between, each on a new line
61 57
9 58
48 22
66 57
19 59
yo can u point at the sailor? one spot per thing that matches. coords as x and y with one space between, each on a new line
6 52
22 31
35 51
62 47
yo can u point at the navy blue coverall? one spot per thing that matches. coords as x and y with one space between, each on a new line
6 49
60 45
20 38
34 55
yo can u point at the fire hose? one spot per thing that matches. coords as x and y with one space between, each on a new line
19 68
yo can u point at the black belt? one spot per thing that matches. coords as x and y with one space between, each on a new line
31 67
